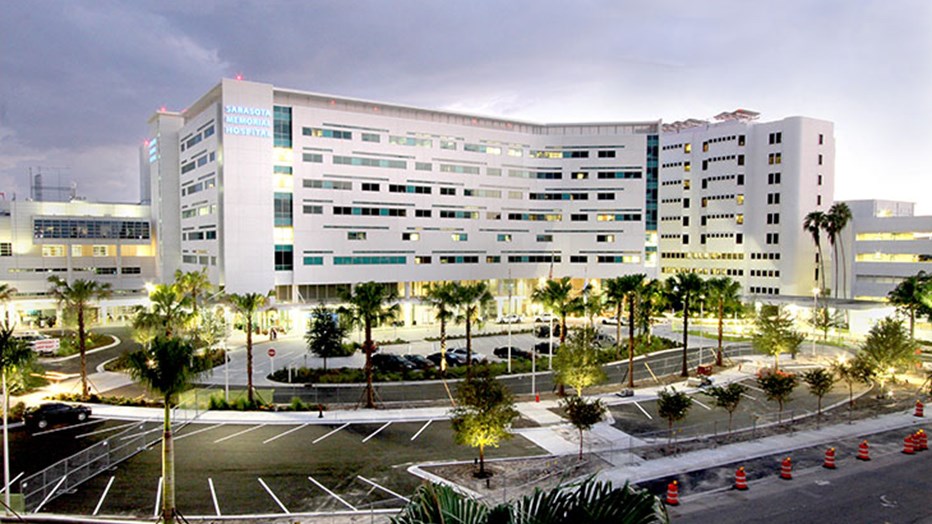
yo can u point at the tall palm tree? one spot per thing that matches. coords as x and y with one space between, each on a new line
593 303
168 313
78 297
472 300
246 306
441 296
814 223
628 288
838 217
166 367
6 295
651 299
685 287
370 304
556 295
194 285
908 296
724 294
14 352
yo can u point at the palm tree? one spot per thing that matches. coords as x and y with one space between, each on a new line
246 306
555 295
472 300
908 296
723 293
593 303
838 217
685 287
166 367
78 296
14 352
441 296
6 295
814 224
368 306
168 312
626 289
651 299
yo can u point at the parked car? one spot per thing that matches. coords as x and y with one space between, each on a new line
45 415
510 319
452 360
603 340
544 331
543 348
502 352
391 363
419 361
545 317
461 353
612 321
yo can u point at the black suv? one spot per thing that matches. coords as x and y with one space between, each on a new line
43 416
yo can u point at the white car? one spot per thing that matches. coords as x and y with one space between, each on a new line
545 317
510 319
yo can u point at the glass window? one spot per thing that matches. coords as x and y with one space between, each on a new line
282 127
283 210
284 257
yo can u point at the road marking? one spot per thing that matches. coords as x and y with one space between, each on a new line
328 434
47 497
745 395
376 432
701 404
158 499
759 390
386 490
280 435
72 426
213 495
153 430
887 503
646 414
183 435
332 494
12 481
105 430
416 435
238 433
264 485
103 496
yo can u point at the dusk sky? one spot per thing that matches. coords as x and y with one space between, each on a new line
79 79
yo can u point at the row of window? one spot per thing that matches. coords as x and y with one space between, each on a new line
313 260
199 186
703 256
188 143
198 161
201 210
756 290
713 271
765 273
200 235
90 228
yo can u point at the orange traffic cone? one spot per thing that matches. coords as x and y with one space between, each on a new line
786 469
829 459
741 479
673 494
908 447
864 451
919 409
923 440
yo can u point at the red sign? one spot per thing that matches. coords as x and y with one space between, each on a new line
271 352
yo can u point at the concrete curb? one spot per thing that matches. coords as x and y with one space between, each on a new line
116 342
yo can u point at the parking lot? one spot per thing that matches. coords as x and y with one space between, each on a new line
236 469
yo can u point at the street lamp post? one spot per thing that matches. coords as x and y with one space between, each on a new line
815 312
510 313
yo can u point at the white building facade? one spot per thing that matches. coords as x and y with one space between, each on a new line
734 195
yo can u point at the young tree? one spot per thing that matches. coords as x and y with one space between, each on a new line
851 372
775 334
368 305
556 295
14 354
582 414
620 291
820 382
78 297
727 397
908 297
685 289
725 295
887 349
484 412
214 327
824 319
813 224
166 367
472 300
169 313
593 303
651 299
442 297
673 405
778 386
576 364
326 334
246 306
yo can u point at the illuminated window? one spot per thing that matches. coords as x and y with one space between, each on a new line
355 235
739 199
77 251
412 237
100 251
53 251
459 237
687 148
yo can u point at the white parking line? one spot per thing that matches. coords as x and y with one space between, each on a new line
376 432
280 435
72 426
264 485
328 434
105 430
745 395
332 494
238 433
386 490
416 435
759 390
12 481
646 414
47 497
134 435
701 404
158 499
183 435
213 495
103 496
